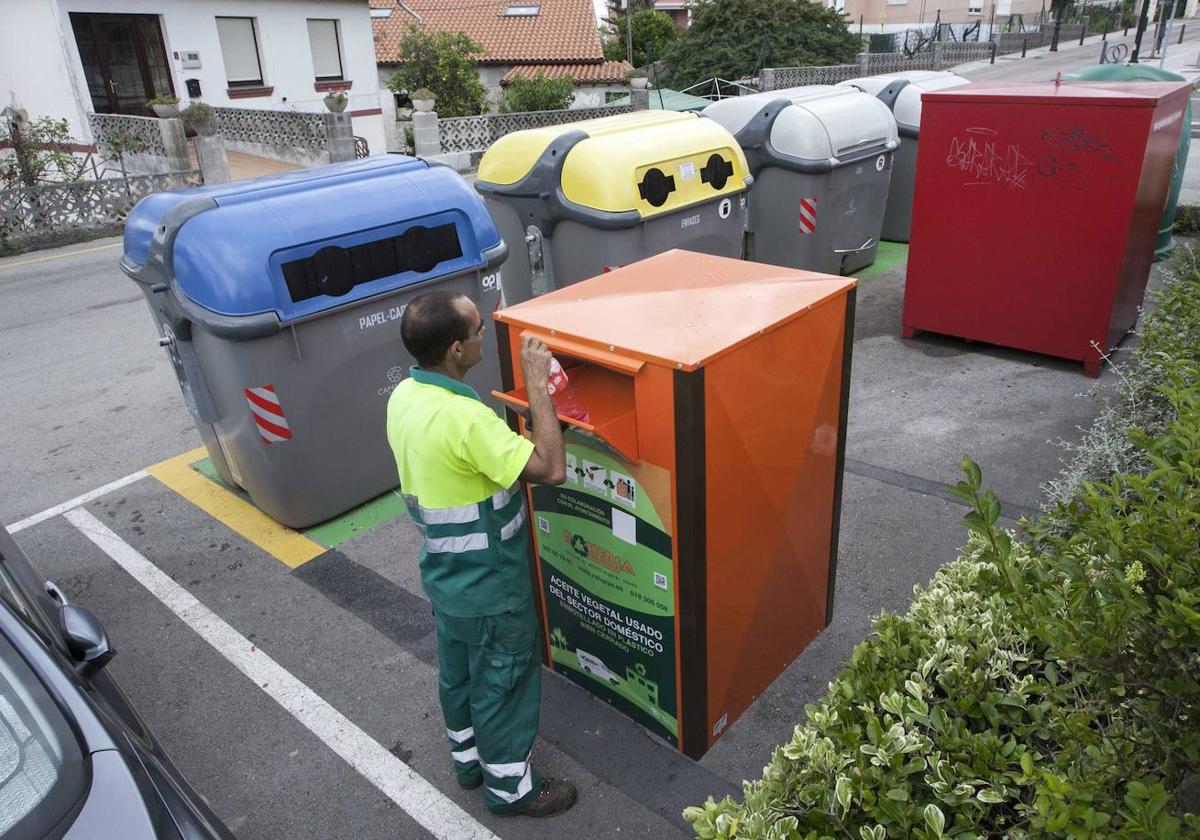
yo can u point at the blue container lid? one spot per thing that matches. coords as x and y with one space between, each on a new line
303 242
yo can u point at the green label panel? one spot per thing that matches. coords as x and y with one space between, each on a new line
609 590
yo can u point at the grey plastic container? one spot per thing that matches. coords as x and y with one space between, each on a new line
902 93
821 158
279 300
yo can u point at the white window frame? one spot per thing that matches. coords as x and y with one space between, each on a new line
337 46
241 83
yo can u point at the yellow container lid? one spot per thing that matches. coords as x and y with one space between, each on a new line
649 162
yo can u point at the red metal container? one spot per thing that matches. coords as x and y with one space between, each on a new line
1036 212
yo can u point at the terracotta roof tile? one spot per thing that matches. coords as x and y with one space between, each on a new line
608 73
563 31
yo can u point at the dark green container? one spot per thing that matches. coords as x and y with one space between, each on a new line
1144 73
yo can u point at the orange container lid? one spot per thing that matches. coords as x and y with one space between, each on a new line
679 308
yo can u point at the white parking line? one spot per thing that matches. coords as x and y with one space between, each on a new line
399 782
78 501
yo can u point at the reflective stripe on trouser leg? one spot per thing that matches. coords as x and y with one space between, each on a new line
454 690
505 692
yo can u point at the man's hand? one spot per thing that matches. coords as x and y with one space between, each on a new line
548 462
535 362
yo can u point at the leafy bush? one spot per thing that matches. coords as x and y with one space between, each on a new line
733 39
163 99
1038 688
444 63
538 94
41 152
198 113
653 34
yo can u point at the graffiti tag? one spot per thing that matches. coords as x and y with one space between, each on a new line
988 161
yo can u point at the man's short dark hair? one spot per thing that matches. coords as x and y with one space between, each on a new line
431 323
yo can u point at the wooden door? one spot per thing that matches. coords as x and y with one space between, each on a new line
124 61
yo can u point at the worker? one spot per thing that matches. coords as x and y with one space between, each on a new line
459 465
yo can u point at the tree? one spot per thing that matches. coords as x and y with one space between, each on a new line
443 62
41 152
653 34
733 39
538 94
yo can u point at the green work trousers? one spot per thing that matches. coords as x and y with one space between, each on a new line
490 684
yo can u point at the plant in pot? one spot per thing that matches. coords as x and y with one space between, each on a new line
164 105
336 99
200 117
638 79
422 99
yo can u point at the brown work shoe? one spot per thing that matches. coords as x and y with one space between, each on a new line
556 796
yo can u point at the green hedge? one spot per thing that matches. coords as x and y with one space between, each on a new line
1047 686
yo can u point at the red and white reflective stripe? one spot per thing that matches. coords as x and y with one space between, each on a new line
268 414
808 215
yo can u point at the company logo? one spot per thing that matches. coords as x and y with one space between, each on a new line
395 376
690 221
880 162
725 208
595 554
1167 120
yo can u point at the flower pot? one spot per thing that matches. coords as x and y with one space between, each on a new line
207 128
639 82
165 112
336 104
424 105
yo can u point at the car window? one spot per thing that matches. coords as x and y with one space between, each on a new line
41 763
20 586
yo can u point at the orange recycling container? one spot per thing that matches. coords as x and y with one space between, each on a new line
690 555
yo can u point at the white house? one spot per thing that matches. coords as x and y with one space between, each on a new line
66 58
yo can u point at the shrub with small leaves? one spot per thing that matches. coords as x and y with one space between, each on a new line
1046 687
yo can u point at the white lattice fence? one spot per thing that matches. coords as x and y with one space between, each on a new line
80 204
961 53
473 134
280 129
1011 42
143 131
465 134
829 74
880 63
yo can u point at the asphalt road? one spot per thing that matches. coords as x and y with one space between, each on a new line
89 397
1042 66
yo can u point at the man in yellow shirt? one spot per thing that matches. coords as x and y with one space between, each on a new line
459 466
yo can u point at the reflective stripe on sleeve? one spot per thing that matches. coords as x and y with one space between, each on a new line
502 497
514 525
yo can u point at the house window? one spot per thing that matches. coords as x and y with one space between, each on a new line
974 9
381 13
522 11
326 50
239 49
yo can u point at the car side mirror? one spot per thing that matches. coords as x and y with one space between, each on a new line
85 637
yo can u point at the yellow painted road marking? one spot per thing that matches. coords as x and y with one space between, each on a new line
287 546
60 256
